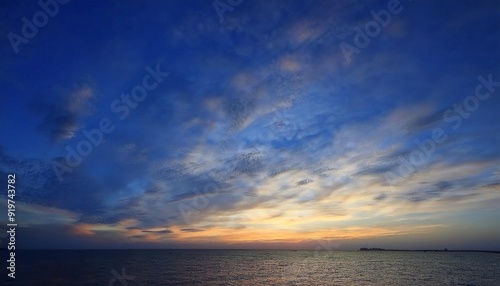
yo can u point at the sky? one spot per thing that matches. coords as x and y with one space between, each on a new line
251 124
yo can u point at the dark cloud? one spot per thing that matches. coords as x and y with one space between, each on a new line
382 168
158 231
495 185
191 230
434 191
238 110
191 185
282 167
173 173
304 182
426 122
381 197
247 163
59 124
61 113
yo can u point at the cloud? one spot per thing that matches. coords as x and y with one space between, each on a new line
435 191
62 114
161 231
35 215
381 197
295 141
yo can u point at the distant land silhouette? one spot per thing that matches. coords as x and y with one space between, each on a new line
426 250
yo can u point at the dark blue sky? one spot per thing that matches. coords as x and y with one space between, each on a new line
257 124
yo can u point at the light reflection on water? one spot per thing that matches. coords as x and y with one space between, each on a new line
256 267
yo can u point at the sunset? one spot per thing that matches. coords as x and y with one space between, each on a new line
260 125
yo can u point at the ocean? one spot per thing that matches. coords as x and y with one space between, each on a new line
252 267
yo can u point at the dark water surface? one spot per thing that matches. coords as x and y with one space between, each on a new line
251 267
